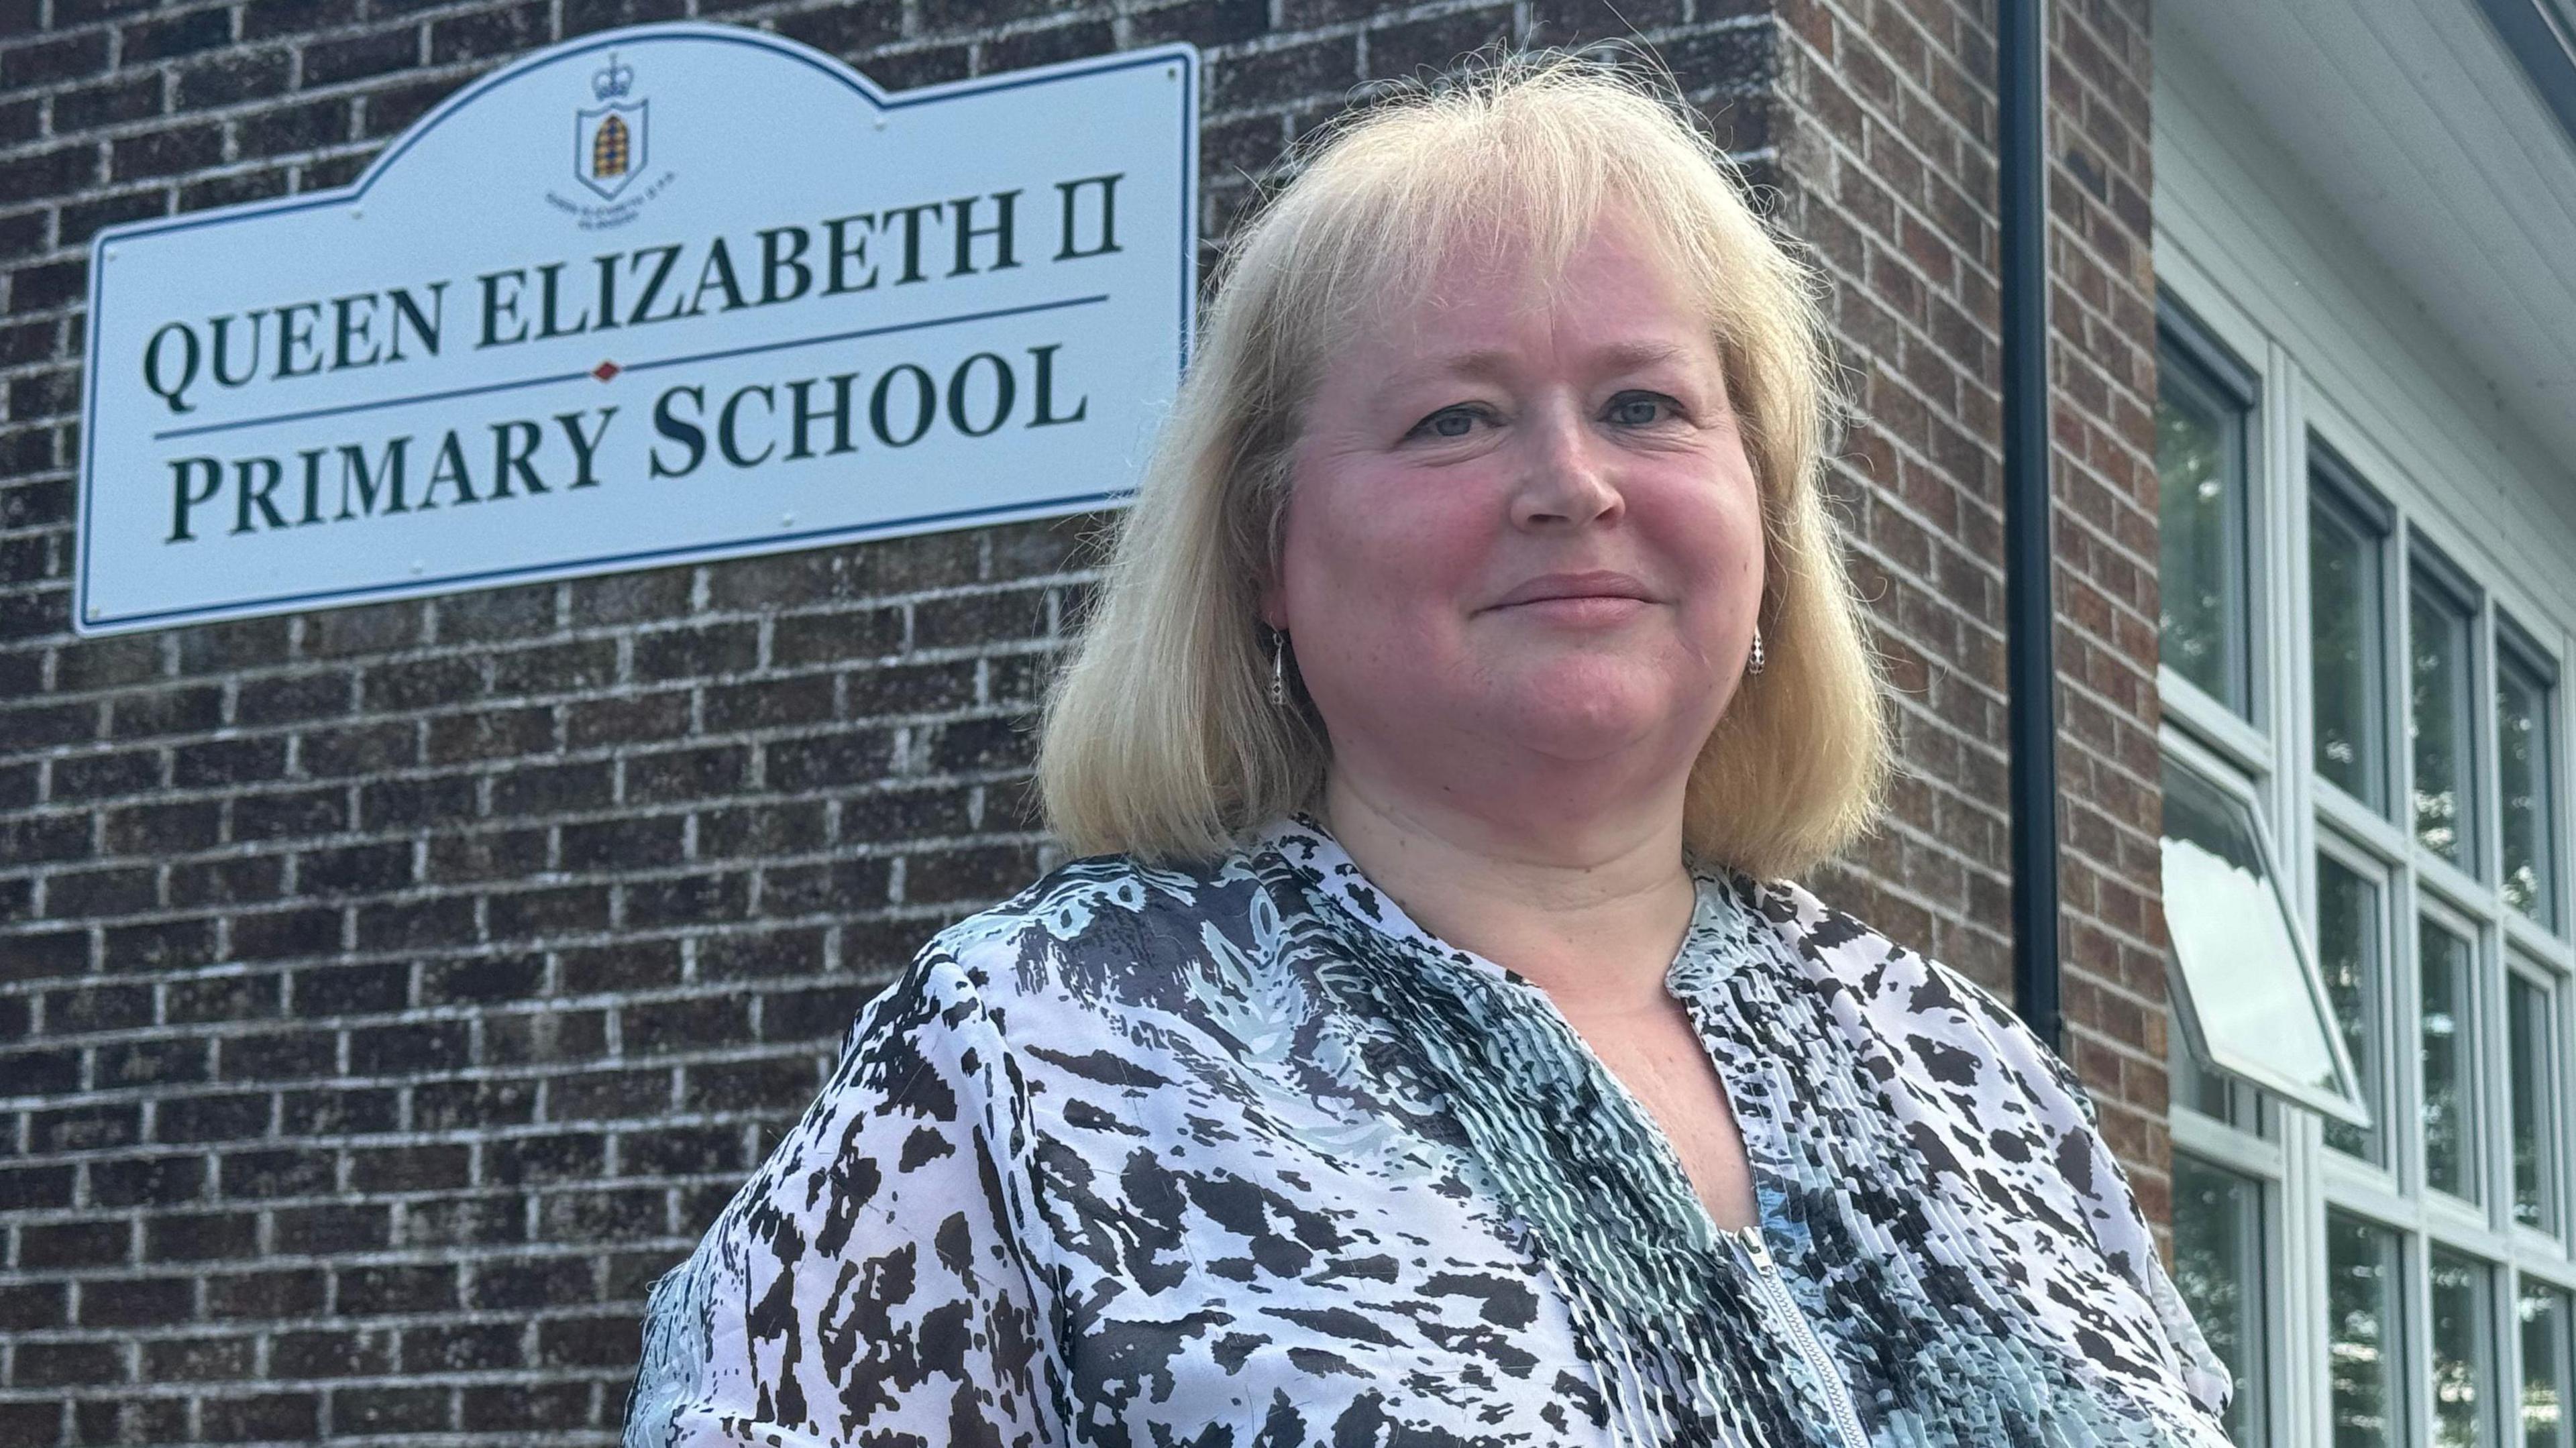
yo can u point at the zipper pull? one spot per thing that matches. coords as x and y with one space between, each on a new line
1756 1249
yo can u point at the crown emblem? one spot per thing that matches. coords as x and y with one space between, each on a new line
613 81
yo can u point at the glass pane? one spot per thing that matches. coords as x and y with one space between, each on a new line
2438 724
2348 957
2343 594
2535 1114
2200 451
2365 1354
2544 1367
2461 1355
2450 1139
2218 1266
2192 1083
2253 999
2523 764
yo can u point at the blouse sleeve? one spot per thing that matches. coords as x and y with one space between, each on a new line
876 1280
2095 1175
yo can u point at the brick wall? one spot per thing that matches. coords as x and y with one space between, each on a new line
388 994
1886 140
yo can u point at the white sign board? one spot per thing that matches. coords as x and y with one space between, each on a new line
675 292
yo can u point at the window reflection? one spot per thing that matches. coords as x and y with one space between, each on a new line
2193 1083
2532 1070
2200 450
2438 721
2344 638
2366 1351
2218 1267
2450 1157
2543 1313
2523 803
2460 1348
2246 991
2348 956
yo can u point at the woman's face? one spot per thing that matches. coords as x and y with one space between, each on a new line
1524 524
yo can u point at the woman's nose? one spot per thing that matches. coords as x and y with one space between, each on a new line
1569 476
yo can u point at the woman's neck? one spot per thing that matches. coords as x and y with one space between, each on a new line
1590 908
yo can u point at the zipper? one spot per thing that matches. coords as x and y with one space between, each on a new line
1802 1336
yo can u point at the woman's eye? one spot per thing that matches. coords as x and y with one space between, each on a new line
1449 422
1626 407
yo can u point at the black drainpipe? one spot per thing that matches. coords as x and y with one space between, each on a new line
2030 667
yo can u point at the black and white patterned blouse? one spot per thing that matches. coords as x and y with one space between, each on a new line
1238 1155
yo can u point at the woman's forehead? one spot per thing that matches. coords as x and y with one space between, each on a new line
1506 237
1475 320
1473 252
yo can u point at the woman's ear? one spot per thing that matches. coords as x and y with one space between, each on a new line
1273 605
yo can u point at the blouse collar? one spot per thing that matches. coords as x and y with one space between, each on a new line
1329 871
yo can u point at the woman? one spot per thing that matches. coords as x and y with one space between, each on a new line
1428 1050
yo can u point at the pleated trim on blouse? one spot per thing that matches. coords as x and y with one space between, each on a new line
1925 1321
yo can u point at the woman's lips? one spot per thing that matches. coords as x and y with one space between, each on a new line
1582 608
1601 592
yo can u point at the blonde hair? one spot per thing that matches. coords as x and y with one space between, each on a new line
1159 738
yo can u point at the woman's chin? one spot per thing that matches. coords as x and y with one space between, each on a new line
1586 718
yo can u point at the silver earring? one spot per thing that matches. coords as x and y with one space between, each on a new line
1753 664
1278 669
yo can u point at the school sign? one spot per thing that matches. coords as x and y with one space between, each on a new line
670 293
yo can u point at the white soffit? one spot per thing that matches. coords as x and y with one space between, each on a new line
2417 124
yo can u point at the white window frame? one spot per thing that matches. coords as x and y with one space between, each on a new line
2207 766
2232 376
2473 877
2554 1089
2372 512
2507 635
2277 1144
2387 1041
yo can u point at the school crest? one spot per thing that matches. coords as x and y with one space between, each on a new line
608 142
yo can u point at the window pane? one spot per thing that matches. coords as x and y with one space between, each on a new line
2365 1353
2450 1139
2200 461
2461 1352
2544 1367
2438 723
2218 1266
2193 1083
2535 1115
2348 956
2247 994
2522 761
2343 590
